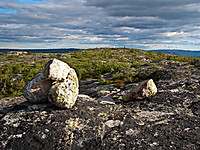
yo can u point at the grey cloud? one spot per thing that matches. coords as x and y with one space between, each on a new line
164 16
168 9
43 21
137 3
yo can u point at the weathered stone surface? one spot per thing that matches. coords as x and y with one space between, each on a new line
145 89
106 100
56 70
97 90
64 94
37 89
153 115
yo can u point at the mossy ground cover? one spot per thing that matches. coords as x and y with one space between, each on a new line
17 69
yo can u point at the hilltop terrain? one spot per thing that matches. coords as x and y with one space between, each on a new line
100 119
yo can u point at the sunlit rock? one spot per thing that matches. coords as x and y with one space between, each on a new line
144 90
64 94
56 70
37 89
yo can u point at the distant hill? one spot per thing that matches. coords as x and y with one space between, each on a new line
64 50
180 52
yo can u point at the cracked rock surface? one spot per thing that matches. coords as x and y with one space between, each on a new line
168 120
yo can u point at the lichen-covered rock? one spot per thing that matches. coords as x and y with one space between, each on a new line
56 70
64 94
145 89
37 89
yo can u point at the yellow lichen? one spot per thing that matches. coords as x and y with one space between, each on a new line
165 121
102 114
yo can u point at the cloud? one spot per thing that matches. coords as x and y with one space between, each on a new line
72 23
153 21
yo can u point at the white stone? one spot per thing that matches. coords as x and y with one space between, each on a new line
113 123
132 132
56 70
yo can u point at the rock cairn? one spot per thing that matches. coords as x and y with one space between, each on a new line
144 90
58 84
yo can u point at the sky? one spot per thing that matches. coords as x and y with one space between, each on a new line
144 24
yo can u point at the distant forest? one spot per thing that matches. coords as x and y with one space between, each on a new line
42 50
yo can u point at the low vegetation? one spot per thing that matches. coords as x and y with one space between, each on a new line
17 69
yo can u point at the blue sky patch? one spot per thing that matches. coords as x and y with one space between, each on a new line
29 1
6 11
23 1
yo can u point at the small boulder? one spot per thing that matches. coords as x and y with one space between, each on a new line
144 90
64 94
37 89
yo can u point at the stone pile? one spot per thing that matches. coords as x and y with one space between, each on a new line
58 84
144 90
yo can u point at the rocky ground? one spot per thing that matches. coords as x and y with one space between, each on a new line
101 120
